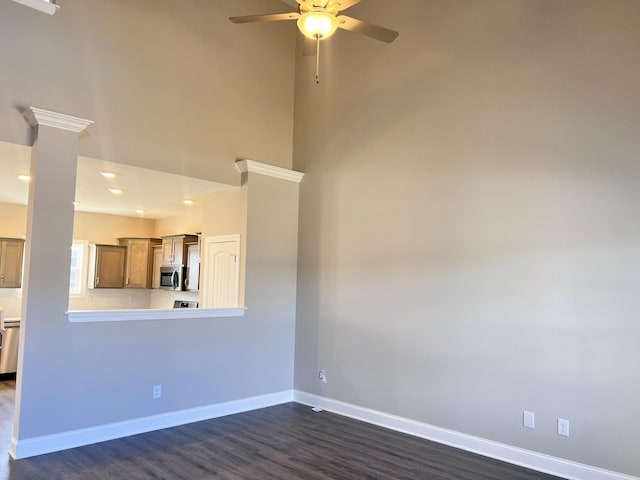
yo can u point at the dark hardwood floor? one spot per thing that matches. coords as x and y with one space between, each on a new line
284 442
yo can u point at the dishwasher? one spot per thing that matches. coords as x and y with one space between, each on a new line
9 347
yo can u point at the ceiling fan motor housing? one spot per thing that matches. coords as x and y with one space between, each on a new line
320 6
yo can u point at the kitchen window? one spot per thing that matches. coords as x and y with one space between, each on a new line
78 276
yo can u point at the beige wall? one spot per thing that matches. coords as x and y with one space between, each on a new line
13 221
190 222
469 231
101 228
225 213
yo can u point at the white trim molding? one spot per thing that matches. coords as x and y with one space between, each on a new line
44 6
533 460
30 447
488 448
38 116
92 316
252 166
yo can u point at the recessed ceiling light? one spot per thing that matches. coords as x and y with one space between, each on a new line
187 201
24 177
116 191
140 211
108 174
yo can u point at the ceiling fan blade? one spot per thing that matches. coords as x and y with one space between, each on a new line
368 29
344 4
274 17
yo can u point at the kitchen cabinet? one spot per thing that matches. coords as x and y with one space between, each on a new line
11 252
138 261
157 263
106 266
173 249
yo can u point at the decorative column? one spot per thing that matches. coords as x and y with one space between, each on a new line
271 263
45 290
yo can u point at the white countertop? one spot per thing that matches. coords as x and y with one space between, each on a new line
88 316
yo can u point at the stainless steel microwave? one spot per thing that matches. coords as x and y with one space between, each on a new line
172 278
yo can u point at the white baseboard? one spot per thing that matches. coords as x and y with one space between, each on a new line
52 443
518 456
536 461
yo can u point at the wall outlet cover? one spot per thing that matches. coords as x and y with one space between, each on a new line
528 419
563 427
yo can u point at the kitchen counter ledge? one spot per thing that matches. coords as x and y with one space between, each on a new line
91 316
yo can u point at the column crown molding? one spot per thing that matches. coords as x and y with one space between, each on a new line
252 166
41 5
38 116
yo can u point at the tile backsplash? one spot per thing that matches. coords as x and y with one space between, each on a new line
103 299
11 301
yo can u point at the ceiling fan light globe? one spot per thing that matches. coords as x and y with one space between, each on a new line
317 24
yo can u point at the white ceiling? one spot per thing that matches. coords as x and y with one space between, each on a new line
160 194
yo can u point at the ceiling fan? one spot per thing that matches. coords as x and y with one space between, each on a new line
319 19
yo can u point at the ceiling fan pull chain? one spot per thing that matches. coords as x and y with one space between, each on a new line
318 60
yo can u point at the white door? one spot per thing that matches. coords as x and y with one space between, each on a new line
193 267
221 272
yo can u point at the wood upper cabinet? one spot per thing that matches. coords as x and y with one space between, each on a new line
167 251
157 263
106 266
139 261
173 249
11 252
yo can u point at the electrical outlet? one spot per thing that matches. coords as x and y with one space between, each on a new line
157 391
528 419
563 427
322 375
